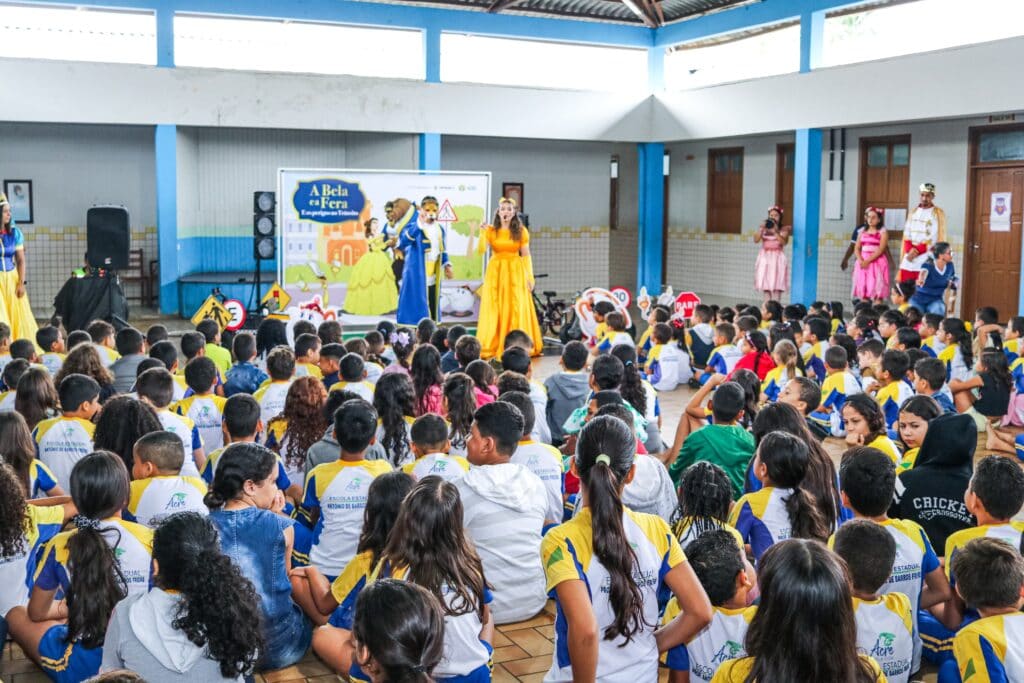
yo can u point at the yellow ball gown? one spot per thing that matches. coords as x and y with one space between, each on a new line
506 303
371 285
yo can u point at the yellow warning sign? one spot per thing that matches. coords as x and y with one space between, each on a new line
212 308
276 299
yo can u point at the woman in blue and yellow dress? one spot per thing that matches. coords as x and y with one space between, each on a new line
371 285
506 302
14 307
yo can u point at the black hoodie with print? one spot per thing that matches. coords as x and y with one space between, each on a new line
932 493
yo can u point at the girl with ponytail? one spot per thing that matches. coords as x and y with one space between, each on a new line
756 357
787 359
398 632
111 559
245 506
200 622
782 509
610 633
959 359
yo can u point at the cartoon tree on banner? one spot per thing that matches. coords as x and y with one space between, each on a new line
467 223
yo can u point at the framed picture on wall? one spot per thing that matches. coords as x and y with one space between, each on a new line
19 194
513 191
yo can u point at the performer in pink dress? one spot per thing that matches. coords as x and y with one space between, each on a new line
871 273
771 273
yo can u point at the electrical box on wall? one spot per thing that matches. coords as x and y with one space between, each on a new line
834 200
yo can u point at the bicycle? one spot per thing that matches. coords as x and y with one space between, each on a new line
553 314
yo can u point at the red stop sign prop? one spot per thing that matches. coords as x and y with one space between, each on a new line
685 303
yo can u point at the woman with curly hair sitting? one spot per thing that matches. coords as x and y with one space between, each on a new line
201 619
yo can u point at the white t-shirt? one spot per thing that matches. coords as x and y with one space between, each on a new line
885 632
184 429
61 442
448 467
271 398
716 643
539 398
546 462
153 499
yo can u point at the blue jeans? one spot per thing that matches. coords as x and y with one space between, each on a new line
938 306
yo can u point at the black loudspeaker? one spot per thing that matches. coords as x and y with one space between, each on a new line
264 225
108 237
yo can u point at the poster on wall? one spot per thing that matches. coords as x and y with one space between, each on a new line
999 214
339 250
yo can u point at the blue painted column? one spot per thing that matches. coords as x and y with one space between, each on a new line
656 68
166 146
812 36
806 214
165 38
430 152
652 209
430 143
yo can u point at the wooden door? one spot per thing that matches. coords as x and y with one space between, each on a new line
785 156
992 259
725 190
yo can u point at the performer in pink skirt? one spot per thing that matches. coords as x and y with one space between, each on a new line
771 273
871 273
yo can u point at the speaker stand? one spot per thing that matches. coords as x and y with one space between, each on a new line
114 318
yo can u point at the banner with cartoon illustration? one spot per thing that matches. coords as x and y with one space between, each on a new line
337 255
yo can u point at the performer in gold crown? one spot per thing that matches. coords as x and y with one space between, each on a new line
925 226
14 307
506 302
423 242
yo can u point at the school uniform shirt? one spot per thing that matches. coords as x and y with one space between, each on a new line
546 462
362 389
667 367
991 649
7 399
151 500
308 370
887 446
346 588
837 387
185 429
373 372
5 358
539 398
1011 532
338 490
762 519
644 345
885 632
52 361
932 346
179 389
107 354
271 398
16 572
776 380
738 670
133 547
61 442
722 361
568 555
956 368
504 508
814 360
687 533
613 339
1011 347
448 467
207 413
718 642
40 480
908 459
210 469
890 398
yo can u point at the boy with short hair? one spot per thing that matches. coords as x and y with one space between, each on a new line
567 390
272 394
330 363
156 333
504 508
839 381
615 335
244 377
352 370
658 314
330 332
723 442
600 310
867 482
893 388
335 493
816 332
725 355
5 345
667 365
929 328
75 337
931 378
869 360
804 394
50 339
156 387
907 338
307 356
728 579
131 345
543 460
158 489
203 407
62 441
102 334
449 363
518 360
11 375
467 350
165 352
885 624
991 577
24 349
211 332
429 443
700 336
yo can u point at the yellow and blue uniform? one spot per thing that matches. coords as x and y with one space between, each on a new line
210 468
600 332
887 446
545 461
612 339
448 467
362 389
814 360
932 346
338 491
1011 532
308 370
567 552
837 387
956 368
721 361
890 398
991 650
762 518
7 399
271 396
1011 347
40 480
207 413
151 500
61 442
70 662
718 642
185 429
345 589
736 670
776 380
52 361
909 459
644 345
885 632
107 355
17 572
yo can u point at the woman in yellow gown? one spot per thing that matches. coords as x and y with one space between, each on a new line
14 307
371 285
506 302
